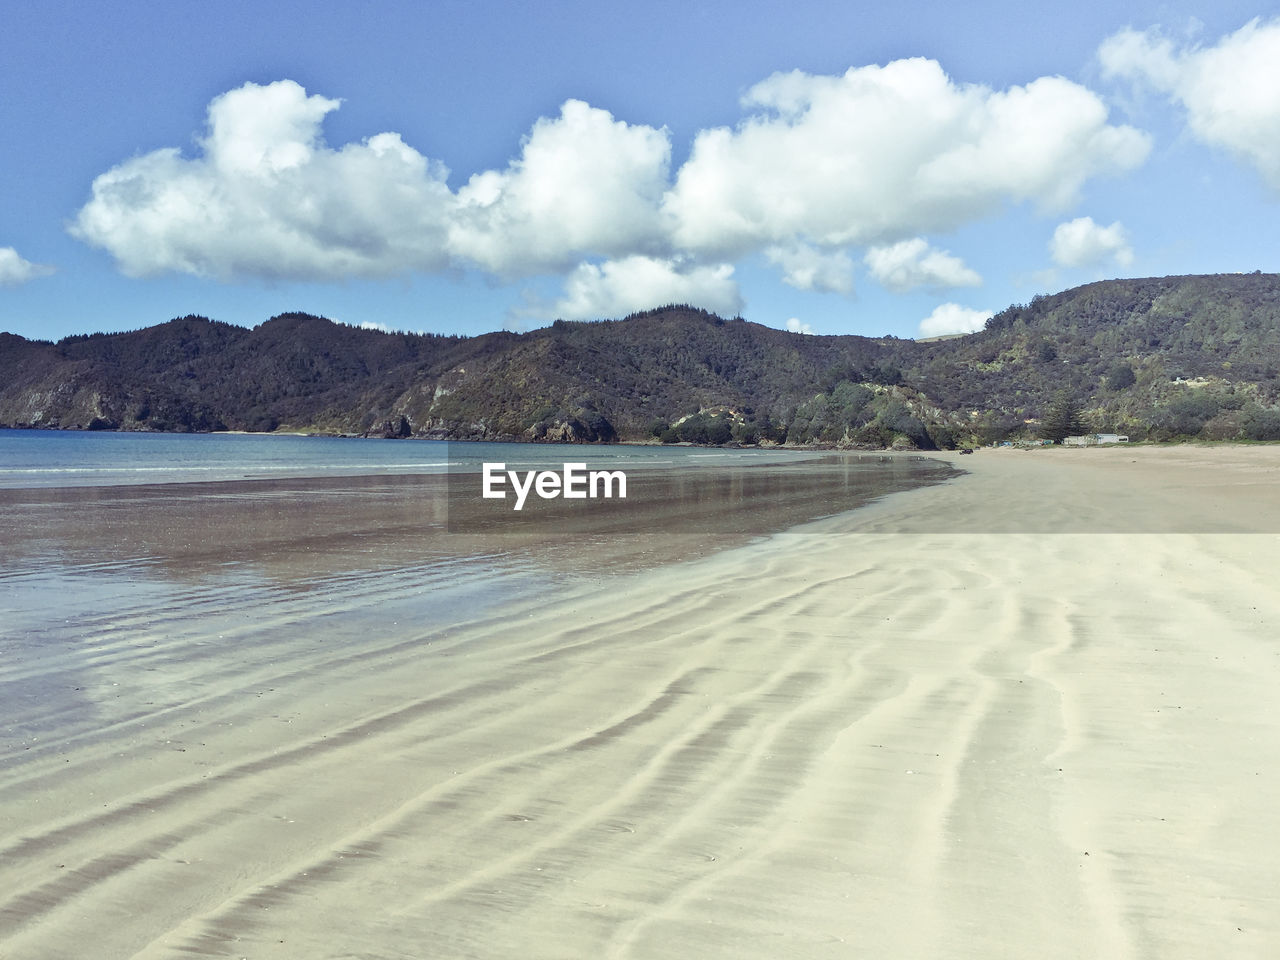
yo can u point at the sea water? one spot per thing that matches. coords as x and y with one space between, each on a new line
65 458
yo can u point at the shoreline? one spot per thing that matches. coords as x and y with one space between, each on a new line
647 442
333 523
909 737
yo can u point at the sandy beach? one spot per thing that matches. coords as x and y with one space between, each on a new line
1028 712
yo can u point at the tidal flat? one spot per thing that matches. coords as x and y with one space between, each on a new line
1025 711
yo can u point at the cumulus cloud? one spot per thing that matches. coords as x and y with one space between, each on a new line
583 184
1083 243
267 197
1230 90
909 264
953 318
14 269
618 287
807 268
884 153
821 164
795 326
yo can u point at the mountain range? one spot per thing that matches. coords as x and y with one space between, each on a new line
1158 358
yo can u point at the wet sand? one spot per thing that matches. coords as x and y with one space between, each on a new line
1027 712
294 529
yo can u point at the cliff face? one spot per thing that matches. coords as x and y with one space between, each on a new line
1173 356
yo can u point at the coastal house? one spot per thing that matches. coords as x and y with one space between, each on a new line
1095 439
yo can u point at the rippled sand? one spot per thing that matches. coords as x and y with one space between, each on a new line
928 728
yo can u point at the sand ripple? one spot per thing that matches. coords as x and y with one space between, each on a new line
885 741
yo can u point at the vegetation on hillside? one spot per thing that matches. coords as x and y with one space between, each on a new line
1161 358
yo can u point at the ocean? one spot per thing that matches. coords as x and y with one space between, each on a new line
63 458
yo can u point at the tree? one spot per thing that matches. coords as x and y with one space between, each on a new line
1185 415
1063 418
1262 424
1120 376
719 430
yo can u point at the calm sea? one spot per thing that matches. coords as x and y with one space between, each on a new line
63 458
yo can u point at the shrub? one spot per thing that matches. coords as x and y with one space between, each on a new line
1120 376
1262 425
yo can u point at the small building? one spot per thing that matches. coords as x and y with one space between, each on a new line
1095 439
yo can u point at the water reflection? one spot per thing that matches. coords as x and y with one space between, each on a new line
298 532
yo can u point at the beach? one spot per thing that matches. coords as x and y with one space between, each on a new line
1028 711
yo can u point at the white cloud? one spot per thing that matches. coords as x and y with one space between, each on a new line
953 318
1230 91
268 198
884 153
823 163
807 268
15 270
909 264
1082 243
795 326
618 287
584 184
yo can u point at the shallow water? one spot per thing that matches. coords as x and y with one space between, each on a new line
119 603
60 458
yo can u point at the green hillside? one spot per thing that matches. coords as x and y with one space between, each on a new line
1156 358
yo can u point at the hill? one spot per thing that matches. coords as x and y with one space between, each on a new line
1161 358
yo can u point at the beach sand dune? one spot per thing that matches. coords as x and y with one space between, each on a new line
1024 713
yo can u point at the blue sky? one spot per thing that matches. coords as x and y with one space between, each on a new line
463 167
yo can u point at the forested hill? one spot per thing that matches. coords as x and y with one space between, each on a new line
1166 357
